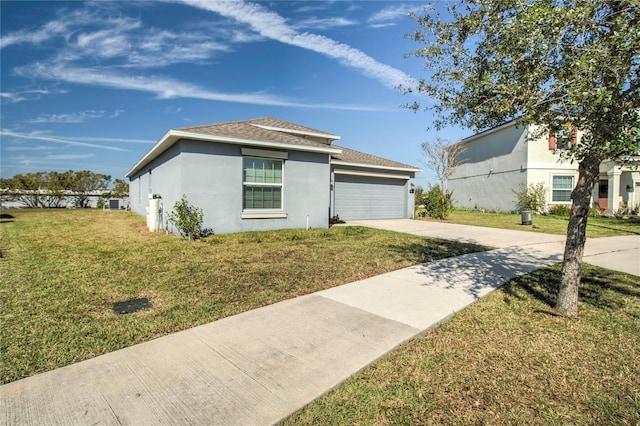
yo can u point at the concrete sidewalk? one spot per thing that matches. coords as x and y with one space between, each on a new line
260 366
616 253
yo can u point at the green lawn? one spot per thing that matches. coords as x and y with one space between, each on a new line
508 360
62 270
596 226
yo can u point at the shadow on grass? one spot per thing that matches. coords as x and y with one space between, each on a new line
592 224
6 218
537 272
436 249
477 272
598 287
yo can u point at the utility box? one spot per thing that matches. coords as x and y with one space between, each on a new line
154 213
526 216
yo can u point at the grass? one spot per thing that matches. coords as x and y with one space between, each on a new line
62 270
596 226
508 360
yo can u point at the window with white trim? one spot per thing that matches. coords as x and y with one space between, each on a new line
262 183
561 188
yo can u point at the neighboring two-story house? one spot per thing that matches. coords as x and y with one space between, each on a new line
496 162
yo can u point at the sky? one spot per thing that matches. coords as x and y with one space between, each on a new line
93 85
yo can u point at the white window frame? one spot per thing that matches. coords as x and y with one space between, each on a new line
263 213
553 189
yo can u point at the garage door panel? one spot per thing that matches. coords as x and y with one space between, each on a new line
362 197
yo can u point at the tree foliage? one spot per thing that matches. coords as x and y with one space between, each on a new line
54 189
120 189
546 63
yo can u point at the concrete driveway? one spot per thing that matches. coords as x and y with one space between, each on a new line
617 253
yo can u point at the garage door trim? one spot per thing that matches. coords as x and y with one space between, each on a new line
371 174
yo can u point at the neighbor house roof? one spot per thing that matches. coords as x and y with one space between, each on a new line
268 132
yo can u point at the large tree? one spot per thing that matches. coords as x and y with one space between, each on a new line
85 183
549 63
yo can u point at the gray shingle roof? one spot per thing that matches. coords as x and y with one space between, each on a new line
353 156
248 129
268 130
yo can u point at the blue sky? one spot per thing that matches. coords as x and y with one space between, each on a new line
93 85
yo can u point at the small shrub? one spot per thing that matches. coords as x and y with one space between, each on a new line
437 204
594 212
560 210
187 219
532 197
619 213
335 219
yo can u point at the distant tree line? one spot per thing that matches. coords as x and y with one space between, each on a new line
55 189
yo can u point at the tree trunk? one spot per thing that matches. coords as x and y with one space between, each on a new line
567 300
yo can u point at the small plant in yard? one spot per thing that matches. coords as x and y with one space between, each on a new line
187 219
437 204
559 210
532 197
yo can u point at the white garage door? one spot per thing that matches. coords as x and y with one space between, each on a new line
364 197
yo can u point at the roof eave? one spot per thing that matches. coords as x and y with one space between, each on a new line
373 166
172 136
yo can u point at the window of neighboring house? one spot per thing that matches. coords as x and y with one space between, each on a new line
262 183
561 189
563 137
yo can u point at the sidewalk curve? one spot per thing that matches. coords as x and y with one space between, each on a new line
260 366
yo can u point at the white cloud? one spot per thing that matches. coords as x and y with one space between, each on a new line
163 88
389 14
273 26
25 95
28 148
68 156
107 139
323 23
38 136
87 34
74 117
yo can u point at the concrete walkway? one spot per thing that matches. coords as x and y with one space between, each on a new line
260 366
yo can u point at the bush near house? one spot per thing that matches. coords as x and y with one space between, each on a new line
532 197
559 210
187 219
436 204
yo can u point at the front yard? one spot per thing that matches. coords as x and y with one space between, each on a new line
596 226
62 270
508 360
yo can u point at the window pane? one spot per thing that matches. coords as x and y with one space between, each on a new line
563 138
562 182
257 197
562 186
561 195
261 170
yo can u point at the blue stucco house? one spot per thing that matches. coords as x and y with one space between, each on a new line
265 174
